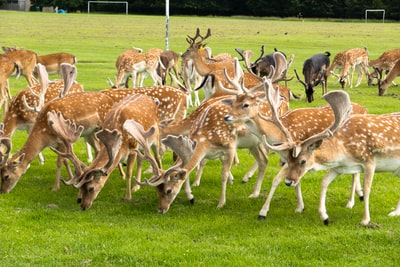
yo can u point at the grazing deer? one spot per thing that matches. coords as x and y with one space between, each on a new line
7 68
383 85
169 61
116 145
53 61
25 106
349 61
26 61
132 62
384 62
314 69
87 109
352 144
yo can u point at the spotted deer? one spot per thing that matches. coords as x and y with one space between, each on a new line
384 85
349 61
351 144
116 145
87 109
301 123
168 63
25 105
7 68
384 63
133 62
26 61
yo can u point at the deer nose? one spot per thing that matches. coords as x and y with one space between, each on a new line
227 118
289 182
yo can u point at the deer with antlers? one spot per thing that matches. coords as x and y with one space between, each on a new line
116 145
87 109
384 63
314 69
351 144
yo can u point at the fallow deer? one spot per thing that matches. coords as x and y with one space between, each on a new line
87 109
169 61
116 145
7 68
301 123
349 61
53 61
384 63
26 61
383 85
352 144
314 69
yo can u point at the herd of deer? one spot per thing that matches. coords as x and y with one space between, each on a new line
240 110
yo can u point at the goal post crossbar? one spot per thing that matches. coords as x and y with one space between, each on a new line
375 10
109 2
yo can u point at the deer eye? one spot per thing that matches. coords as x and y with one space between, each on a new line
303 162
5 178
168 192
91 189
246 106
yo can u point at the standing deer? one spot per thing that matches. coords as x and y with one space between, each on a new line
168 62
352 144
53 61
384 85
116 145
7 68
384 62
314 69
87 109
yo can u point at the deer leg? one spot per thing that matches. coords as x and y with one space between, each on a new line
262 161
227 160
89 152
328 178
199 172
275 182
368 177
355 188
129 170
139 165
250 173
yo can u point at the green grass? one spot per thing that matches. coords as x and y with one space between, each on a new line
39 227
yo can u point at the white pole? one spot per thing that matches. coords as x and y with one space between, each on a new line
166 24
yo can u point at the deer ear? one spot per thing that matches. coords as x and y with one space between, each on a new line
315 145
227 102
15 162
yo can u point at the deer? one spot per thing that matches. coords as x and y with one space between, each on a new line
25 105
53 61
349 61
168 62
314 69
26 61
300 122
351 144
385 62
7 69
116 145
393 73
87 109
133 62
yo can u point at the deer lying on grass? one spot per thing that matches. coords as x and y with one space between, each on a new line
383 85
26 61
314 69
24 107
384 62
87 109
116 145
53 61
7 68
352 144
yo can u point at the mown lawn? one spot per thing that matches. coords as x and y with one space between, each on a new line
39 227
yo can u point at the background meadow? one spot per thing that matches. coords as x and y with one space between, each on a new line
41 227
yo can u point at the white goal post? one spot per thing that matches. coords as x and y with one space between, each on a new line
375 10
108 2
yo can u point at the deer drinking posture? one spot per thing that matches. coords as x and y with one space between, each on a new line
352 144
87 109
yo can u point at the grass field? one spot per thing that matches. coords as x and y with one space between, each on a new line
39 227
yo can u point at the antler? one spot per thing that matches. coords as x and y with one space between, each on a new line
69 73
44 83
68 132
6 141
192 40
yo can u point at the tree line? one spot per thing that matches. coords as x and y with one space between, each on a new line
337 9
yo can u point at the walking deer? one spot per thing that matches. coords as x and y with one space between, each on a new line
352 144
